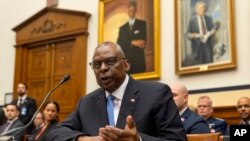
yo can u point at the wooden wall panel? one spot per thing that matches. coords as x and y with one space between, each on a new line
229 113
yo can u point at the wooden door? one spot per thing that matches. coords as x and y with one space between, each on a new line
47 65
50 44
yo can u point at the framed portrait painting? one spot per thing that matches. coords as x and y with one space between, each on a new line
134 25
205 36
8 97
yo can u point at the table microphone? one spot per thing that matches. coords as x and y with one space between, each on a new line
20 129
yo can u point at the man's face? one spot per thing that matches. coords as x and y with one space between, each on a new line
204 109
11 112
131 11
113 68
243 108
38 120
21 89
200 9
180 98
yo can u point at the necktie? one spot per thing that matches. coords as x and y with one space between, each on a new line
110 109
20 101
203 28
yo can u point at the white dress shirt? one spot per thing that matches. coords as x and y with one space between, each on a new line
118 94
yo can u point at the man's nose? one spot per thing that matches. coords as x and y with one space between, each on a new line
104 66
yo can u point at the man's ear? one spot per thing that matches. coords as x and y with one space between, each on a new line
127 65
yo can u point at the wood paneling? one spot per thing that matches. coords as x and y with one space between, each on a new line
229 113
49 45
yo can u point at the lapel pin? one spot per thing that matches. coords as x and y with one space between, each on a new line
132 100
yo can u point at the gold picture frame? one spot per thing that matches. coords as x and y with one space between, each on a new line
200 48
113 14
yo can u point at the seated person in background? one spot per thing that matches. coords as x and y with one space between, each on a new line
193 123
205 109
50 112
243 108
2 116
12 113
38 123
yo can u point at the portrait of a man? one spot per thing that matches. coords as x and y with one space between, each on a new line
204 33
132 38
134 25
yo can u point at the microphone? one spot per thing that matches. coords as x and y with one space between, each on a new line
20 129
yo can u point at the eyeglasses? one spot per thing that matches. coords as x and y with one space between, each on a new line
203 106
95 65
242 106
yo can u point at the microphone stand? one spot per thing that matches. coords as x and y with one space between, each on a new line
3 136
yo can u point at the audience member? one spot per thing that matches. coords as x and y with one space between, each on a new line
205 109
27 104
193 123
2 116
50 112
12 113
38 123
122 109
243 108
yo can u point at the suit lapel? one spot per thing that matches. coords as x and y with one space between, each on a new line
128 104
196 23
101 108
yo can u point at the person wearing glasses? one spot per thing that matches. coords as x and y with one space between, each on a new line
205 109
123 109
243 108
193 123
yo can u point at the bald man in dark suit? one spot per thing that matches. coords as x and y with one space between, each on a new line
193 123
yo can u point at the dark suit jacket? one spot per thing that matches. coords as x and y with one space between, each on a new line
193 27
30 104
193 123
18 134
133 53
150 104
219 125
43 136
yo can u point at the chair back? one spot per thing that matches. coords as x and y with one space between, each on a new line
204 137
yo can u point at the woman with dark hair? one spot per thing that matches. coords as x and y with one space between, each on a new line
50 111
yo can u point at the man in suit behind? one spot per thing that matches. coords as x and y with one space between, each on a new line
140 110
201 30
12 113
26 104
205 110
193 123
132 38
243 108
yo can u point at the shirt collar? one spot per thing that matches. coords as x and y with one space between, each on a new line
131 21
118 93
183 110
13 120
23 97
242 122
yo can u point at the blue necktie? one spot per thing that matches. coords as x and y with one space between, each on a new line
110 108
